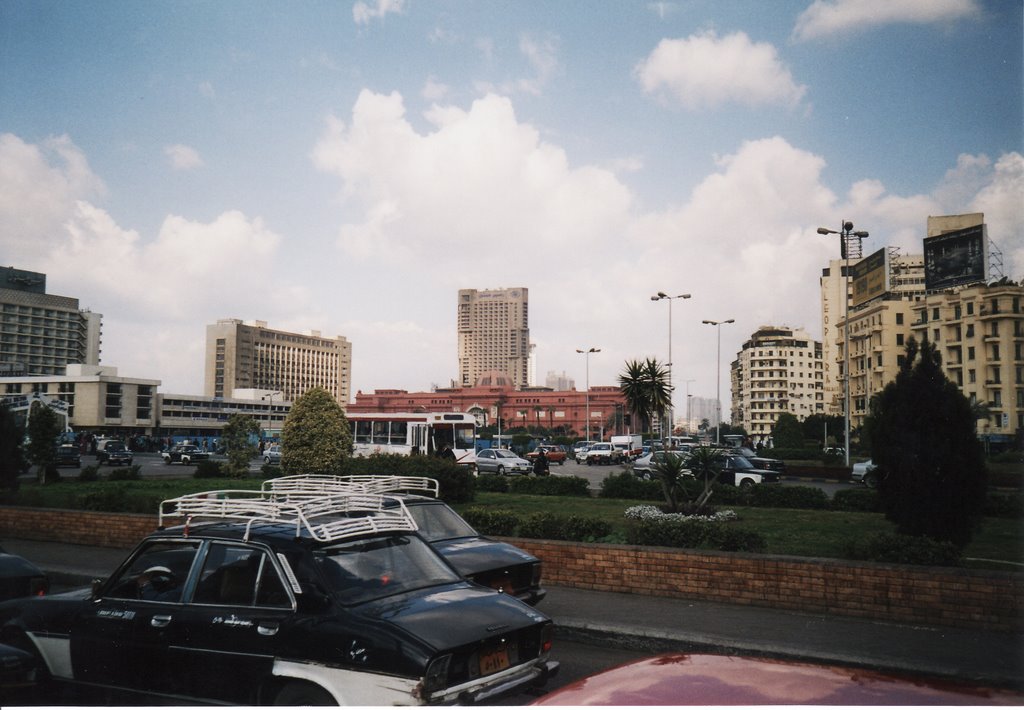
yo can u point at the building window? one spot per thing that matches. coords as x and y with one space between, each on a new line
899 319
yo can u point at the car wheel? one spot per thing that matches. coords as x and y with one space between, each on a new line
647 475
501 470
871 480
746 483
266 460
167 460
296 693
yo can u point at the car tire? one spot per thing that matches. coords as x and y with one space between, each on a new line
746 483
266 460
501 470
167 460
870 480
298 693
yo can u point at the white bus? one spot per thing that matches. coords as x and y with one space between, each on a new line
407 433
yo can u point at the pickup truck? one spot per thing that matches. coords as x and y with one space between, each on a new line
113 453
554 454
603 452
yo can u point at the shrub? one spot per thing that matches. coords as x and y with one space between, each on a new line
550 486
858 500
492 484
905 549
669 532
792 454
733 539
1004 506
1008 457
209 469
271 470
627 486
89 474
51 474
775 496
548 526
492 522
128 473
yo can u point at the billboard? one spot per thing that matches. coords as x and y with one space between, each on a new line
870 277
956 258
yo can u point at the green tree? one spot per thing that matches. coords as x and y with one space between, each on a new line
12 457
43 428
238 437
316 435
822 427
705 464
644 386
670 473
787 432
932 478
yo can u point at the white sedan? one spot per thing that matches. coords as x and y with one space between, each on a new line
501 462
864 472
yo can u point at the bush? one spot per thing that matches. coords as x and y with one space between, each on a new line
548 526
627 486
51 474
733 539
492 484
1008 457
492 522
550 486
89 474
271 470
670 532
792 454
857 500
905 549
1004 506
128 473
775 496
209 469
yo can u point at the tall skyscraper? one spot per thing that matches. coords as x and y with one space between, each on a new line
494 334
252 356
41 333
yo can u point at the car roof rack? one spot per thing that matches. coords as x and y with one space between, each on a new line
326 518
310 484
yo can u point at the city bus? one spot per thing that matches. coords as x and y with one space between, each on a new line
410 433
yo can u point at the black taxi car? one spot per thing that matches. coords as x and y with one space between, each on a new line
262 599
489 562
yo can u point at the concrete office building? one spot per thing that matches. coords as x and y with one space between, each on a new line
251 356
494 334
779 369
42 333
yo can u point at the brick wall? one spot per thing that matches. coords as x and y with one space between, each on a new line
899 593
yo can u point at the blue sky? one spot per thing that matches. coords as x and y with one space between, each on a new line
347 167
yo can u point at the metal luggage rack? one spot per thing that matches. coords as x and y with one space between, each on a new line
310 484
328 517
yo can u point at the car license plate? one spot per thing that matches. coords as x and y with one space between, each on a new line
494 660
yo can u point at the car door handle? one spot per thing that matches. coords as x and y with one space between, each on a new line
159 621
267 628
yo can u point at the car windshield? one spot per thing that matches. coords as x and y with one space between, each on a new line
437 521
504 454
744 451
364 570
740 462
115 446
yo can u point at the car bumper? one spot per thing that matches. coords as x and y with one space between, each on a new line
535 675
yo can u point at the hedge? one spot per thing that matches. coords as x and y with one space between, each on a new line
904 549
550 486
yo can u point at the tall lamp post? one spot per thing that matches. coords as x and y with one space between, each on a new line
718 377
662 296
586 355
849 247
688 417
270 410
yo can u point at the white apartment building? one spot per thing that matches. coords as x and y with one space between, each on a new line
494 334
779 369
251 356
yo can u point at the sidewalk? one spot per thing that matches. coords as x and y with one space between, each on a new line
658 624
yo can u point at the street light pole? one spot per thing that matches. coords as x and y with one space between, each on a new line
586 355
662 296
270 410
849 241
688 417
718 377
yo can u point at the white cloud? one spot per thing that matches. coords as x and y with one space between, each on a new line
828 18
542 55
433 90
708 71
183 157
363 12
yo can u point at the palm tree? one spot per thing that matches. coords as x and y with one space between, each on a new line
644 386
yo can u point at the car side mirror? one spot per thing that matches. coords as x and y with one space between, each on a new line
97 584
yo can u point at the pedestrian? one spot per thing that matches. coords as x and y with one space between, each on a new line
540 464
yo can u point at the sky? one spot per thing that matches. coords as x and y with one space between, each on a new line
347 167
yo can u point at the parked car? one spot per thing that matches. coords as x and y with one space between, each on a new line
554 454
494 564
68 455
580 447
272 454
865 472
20 578
19 673
707 679
258 599
502 462
760 461
113 453
737 471
645 467
580 454
603 452
185 454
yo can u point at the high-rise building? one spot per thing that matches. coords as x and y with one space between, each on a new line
41 333
251 356
559 382
494 334
778 370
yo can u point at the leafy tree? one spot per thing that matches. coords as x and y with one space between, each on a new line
316 435
787 432
43 428
644 386
238 438
12 458
815 426
706 465
922 430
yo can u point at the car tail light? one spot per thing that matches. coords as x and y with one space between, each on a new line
436 677
547 635
39 586
535 578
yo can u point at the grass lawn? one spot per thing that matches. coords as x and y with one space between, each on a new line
808 533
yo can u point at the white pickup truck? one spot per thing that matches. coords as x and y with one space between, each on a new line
603 452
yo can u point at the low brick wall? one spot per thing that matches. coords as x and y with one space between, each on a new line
898 593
